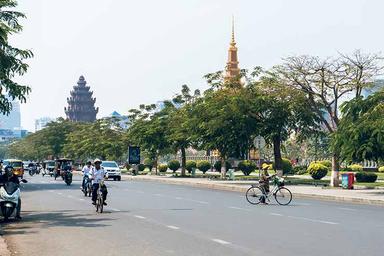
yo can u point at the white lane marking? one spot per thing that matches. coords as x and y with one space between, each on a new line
139 191
314 220
303 204
50 191
276 214
347 209
178 198
197 201
59 193
220 241
115 210
81 199
173 227
140 217
158 194
238 208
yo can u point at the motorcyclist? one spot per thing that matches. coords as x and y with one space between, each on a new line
97 175
86 171
8 176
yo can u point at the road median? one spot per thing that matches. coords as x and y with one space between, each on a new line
361 196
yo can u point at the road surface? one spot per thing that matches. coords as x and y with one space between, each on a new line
144 218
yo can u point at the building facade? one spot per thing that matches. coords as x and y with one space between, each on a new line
81 105
41 123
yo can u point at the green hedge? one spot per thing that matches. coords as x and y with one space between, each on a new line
317 171
217 165
141 167
300 170
366 177
189 165
247 167
203 166
162 167
174 165
356 168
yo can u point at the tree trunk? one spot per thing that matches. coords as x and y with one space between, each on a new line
223 170
277 153
335 181
183 161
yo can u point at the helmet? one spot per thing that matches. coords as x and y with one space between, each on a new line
8 170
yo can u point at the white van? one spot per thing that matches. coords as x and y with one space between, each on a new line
112 169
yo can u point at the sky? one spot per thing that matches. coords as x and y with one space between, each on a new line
134 52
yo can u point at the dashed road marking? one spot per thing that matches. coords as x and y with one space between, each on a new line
347 209
220 241
139 217
238 208
314 220
178 198
173 227
116 210
276 214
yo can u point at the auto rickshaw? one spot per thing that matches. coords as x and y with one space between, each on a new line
18 169
48 167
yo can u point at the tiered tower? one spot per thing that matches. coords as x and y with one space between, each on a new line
81 105
232 68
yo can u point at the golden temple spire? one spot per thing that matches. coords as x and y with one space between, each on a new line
233 31
232 69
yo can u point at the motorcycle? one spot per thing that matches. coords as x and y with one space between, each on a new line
87 189
67 177
9 199
32 170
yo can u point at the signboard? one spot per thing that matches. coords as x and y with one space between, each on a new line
134 155
259 142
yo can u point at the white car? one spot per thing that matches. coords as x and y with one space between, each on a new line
112 169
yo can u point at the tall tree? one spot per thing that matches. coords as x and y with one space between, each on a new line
360 134
11 58
327 82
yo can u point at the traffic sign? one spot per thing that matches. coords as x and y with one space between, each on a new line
259 142
134 155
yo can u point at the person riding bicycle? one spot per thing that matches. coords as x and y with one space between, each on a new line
264 180
97 175
86 172
8 176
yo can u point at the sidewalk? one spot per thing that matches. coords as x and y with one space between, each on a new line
3 245
362 196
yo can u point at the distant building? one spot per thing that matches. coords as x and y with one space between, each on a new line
378 85
124 121
81 105
232 69
13 120
42 123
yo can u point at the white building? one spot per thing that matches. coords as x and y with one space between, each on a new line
13 120
42 123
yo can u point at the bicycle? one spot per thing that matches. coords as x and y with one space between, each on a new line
257 194
100 198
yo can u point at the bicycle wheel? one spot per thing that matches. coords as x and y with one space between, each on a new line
254 195
101 203
283 196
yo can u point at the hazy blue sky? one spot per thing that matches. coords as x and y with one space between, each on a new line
133 52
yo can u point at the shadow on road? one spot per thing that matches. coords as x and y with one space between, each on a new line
53 219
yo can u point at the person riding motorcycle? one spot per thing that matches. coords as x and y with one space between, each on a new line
8 176
97 175
86 172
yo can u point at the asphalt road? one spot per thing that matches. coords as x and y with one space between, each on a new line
144 218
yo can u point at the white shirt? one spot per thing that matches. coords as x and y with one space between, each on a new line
97 175
86 170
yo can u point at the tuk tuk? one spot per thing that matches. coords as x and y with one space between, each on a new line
17 165
48 167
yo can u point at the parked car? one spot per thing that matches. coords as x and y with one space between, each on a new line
112 169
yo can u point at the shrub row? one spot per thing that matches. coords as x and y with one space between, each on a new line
366 177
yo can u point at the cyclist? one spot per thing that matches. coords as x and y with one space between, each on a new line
98 174
86 171
264 181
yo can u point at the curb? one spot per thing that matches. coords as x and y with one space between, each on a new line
235 188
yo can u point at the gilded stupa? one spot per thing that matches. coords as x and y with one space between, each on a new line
232 69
